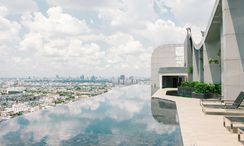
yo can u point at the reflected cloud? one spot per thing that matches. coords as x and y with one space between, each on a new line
121 116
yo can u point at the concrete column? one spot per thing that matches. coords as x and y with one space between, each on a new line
188 53
195 56
211 71
232 47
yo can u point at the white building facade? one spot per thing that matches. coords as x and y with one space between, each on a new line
167 66
219 58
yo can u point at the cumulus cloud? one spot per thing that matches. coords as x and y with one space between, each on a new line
3 11
126 52
31 41
188 11
73 50
9 31
161 32
130 16
59 38
84 4
18 7
55 24
114 37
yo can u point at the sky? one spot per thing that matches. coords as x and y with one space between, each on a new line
93 37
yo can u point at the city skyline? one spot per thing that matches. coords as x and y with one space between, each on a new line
107 38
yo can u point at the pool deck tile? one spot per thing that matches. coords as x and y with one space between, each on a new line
197 128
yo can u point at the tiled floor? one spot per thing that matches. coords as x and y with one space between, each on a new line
197 128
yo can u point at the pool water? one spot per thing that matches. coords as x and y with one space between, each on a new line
123 116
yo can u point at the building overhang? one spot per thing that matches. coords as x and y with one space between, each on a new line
214 26
172 71
212 32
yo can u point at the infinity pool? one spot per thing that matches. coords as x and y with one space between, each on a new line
123 116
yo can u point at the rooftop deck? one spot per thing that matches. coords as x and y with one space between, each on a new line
197 128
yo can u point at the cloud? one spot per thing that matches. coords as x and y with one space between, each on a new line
9 31
56 23
19 60
188 11
129 16
84 4
94 37
163 32
74 49
3 11
60 38
126 52
31 41
18 7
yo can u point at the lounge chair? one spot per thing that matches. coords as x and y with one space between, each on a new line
221 111
240 131
226 109
226 105
236 125
218 101
235 122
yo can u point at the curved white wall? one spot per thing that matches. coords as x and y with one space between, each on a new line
171 55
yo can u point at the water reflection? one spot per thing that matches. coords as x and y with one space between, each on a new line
164 111
121 117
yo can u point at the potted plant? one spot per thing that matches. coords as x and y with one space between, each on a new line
190 69
215 60
217 91
201 91
186 88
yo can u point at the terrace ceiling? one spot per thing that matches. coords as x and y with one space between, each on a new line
213 29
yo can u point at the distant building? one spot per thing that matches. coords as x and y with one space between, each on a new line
121 79
82 77
15 90
131 78
93 78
